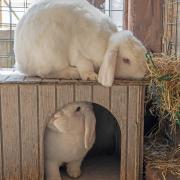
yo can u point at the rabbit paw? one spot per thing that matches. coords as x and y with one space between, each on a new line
92 76
70 73
54 178
73 171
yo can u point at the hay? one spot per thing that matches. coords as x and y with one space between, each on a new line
164 87
163 158
164 93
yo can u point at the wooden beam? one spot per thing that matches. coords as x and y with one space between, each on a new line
0 13
145 21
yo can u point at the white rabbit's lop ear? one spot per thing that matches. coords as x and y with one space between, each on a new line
90 128
108 68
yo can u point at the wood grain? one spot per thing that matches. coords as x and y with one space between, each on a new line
1 157
26 104
29 132
10 131
141 130
4 60
133 133
46 94
119 108
0 12
65 95
38 80
15 78
32 80
83 93
101 96
1 153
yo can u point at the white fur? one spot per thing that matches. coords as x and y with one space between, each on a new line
69 136
72 39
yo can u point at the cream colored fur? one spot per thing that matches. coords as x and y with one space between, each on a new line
69 136
71 39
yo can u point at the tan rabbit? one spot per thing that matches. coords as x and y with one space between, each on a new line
70 134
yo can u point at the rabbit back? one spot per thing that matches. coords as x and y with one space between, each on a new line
51 33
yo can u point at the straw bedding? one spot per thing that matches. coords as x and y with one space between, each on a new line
164 92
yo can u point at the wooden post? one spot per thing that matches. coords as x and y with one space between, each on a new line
145 21
0 13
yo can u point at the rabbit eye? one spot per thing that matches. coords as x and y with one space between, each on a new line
78 109
127 61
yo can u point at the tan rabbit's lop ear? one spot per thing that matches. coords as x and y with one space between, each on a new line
59 125
90 128
108 67
56 124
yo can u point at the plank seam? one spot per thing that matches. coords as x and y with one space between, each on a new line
127 115
55 97
38 126
20 140
142 131
109 104
2 153
137 132
91 94
74 93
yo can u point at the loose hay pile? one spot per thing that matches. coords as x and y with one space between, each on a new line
164 87
164 92
164 158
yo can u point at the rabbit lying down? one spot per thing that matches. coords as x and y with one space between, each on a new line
72 39
70 134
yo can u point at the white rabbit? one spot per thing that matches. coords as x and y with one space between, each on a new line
72 39
70 134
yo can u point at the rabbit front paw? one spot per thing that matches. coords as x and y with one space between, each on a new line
53 178
73 170
92 76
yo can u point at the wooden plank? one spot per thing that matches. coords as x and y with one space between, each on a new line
11 132
141 129
3 52
29 132
50 80
101 96
3 77
46 105
15 78
119 110
32 80
133 133
64 94
0 13
1 152
3 62
83 93
10 76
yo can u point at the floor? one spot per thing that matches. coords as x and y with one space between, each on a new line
98 168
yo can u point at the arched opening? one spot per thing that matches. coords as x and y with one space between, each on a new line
103 160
